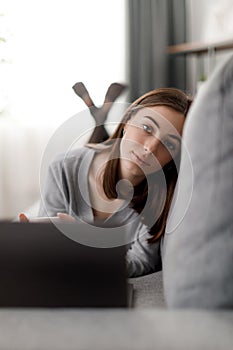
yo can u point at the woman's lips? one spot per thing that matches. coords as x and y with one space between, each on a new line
139 159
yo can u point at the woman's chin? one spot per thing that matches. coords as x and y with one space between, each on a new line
131 169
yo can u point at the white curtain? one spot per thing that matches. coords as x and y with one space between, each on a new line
21 149
50 45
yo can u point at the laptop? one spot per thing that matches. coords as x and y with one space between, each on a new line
40 266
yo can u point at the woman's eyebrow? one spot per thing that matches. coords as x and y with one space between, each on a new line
175 137
152 119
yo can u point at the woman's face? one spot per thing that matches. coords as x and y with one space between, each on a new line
152 137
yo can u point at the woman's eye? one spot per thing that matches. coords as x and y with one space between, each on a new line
147 128
169 145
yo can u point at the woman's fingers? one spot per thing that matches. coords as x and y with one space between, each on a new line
62 216
23 218
66 217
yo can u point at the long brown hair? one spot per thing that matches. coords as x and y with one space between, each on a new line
153 192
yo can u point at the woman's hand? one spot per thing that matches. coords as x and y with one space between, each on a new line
61 216
23 218
66 217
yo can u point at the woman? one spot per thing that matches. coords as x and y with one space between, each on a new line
129 178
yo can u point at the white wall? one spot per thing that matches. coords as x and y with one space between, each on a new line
211 20
208 21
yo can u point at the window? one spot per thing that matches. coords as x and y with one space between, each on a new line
53 45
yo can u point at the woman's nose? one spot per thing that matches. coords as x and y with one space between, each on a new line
151 145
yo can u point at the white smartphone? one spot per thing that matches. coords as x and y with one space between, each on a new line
44 219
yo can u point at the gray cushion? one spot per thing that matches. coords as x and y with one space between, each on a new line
198 244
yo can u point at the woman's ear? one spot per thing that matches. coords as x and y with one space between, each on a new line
124 129
125 126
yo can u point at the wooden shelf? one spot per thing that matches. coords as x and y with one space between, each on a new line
199 48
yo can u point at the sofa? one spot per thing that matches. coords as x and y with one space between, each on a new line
149 325
190 304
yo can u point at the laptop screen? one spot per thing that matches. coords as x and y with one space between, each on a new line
40 266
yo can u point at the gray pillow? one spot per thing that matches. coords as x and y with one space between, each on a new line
197 250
